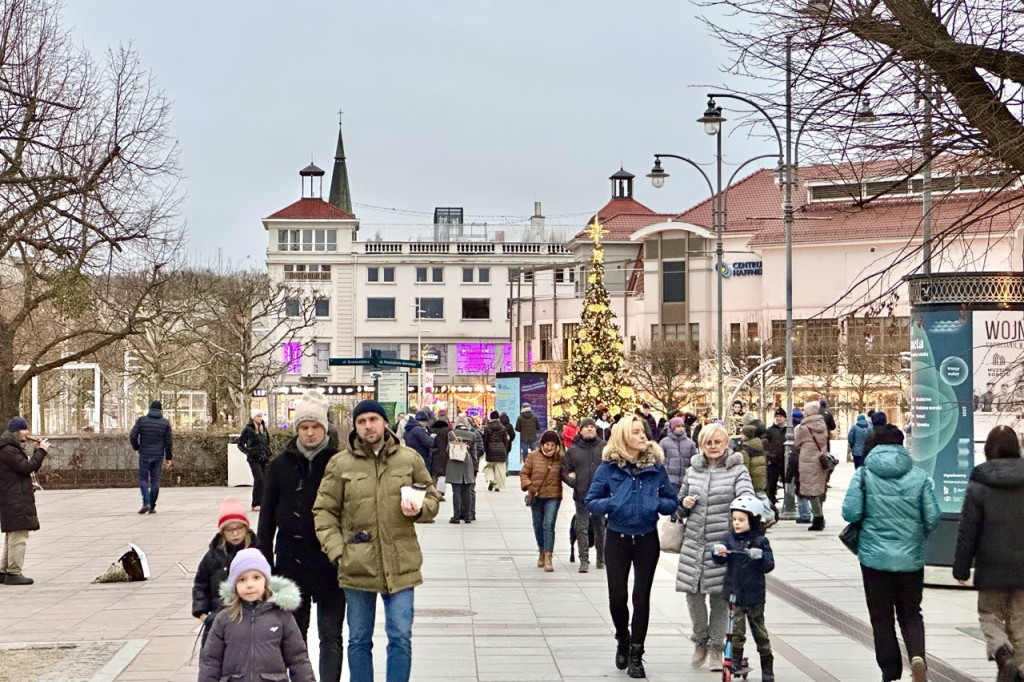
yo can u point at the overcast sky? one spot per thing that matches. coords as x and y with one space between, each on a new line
485 105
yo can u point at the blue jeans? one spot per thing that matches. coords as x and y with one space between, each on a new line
526 448
330 614
398 611
545 510
803 508
149 478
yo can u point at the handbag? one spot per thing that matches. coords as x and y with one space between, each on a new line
670 535
528 500
828 461
850 536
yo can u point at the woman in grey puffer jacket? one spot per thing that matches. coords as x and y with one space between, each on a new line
715 478
679 450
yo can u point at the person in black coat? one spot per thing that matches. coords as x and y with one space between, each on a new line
17 498
878 422
151 438
581 462
417 437
990 538
775 449
255 445
286 532
496 448
233 535
507 423
749 557
439 452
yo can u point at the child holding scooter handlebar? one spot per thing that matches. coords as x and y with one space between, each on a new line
749 557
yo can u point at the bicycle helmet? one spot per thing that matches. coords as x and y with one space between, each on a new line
749 504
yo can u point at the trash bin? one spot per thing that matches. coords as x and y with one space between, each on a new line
239 473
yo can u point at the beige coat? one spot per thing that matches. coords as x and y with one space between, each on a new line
810 440
361 491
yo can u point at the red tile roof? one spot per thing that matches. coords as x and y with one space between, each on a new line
311 208
754 204
623 217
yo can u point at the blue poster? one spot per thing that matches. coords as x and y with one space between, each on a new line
506 400
942 403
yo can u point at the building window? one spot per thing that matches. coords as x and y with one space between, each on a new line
467 275
291 353
389 275
528 344
483 275
307 240
430 308
307 272
291 307
373 274
673 282
376 273
476 308
695 334
321 354
421 274
437 275
568 339
734 333
752 336
322 307
387 350
380 308
545 341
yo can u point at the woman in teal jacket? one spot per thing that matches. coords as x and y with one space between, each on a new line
895 503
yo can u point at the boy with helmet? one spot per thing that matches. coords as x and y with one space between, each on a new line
749 555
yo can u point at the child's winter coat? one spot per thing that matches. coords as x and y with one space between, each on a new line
744 576
213 570
264 645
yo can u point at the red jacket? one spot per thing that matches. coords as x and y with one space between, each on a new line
569 432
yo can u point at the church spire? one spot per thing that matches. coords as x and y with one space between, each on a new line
340 195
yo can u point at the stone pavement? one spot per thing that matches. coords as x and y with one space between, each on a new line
484 613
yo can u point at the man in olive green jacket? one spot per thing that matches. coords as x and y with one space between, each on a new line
366 529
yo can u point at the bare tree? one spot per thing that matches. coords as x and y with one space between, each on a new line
666 372
87 178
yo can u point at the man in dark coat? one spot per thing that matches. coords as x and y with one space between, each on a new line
255 445
151 438
581 461
417 437
528 427
496 448
775 449
439 452
17 498
287 513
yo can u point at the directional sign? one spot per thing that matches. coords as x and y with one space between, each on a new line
375 360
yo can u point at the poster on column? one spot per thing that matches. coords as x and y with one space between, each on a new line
393 393
998 377
506 400
942 405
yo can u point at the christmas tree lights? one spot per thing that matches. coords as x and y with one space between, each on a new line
596 371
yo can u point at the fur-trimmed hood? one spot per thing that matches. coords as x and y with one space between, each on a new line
286 595
650 456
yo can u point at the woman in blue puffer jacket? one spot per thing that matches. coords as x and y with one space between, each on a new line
895 503
632 489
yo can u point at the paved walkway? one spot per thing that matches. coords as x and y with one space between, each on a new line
485 612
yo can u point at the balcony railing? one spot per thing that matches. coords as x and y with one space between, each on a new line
308 276
466 248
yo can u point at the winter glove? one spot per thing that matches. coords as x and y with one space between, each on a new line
719 549
755 553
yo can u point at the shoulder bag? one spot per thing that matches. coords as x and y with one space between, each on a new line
531 496
850 536
826 459
670 535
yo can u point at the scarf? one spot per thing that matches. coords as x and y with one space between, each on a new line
311 454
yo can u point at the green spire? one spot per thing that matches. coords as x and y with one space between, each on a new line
341 195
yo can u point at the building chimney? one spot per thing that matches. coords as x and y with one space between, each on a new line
537 231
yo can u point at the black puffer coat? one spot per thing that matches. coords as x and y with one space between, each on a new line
744 576
287 513
255 443
990 526
439 449
151 435
582 459
495 442
17 498
509 430
212 571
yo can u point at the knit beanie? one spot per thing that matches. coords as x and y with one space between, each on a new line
312 407
494 415
526 407
17 424
888 434
798 417
369 407
255 412
675 422
779 412
550 436
878 418
587 421
250 559
231 510
422 416
156 405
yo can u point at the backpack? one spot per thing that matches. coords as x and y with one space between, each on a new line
457 448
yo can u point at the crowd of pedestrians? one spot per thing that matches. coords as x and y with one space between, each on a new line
337 516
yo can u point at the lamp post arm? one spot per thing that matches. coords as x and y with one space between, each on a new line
767 116
764 365
711 188
725 194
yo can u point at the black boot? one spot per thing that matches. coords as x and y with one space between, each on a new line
817 523
636 661
767 669
622 652
1007 663
737 661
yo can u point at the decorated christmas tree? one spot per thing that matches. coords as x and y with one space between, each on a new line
596 371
